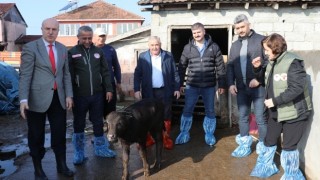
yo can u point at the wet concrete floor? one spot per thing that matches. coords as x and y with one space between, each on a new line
192 161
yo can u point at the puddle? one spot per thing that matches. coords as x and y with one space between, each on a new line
7 166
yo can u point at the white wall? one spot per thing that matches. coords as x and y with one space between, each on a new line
127 58
301 29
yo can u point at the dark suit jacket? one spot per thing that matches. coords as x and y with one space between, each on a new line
143 75
37 78
255 49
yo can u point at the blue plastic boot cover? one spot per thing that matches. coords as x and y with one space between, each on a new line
260 147
78 141
101 147
209 126
185 126
290 164
265 166
244 148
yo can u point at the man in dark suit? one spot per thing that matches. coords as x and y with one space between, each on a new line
46 91
155 76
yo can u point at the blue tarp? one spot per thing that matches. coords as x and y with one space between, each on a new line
9 89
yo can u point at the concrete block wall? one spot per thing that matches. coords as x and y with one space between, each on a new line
301 30
127 58
300 27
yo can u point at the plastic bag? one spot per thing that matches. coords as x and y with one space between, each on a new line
253 127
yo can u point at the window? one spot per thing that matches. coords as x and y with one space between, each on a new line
68 29
72 29
125 27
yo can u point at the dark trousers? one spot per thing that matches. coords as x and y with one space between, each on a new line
159 93
36 129
93 104
110 106
292 133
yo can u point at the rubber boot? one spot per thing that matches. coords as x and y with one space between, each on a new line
244 148
78 141
101 147
185 127
62 167
150 141
209 126
167 141
265 166
38 171
290 164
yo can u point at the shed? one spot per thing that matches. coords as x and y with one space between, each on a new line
297 20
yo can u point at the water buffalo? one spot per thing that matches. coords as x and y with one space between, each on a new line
132 125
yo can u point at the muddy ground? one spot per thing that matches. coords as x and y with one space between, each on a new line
192 161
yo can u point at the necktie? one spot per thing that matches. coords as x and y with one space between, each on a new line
53 63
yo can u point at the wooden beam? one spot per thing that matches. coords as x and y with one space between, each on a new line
246 5
217 5
304 6
156 7
275 6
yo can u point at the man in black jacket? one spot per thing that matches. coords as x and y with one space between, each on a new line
204 60
243 84
90 76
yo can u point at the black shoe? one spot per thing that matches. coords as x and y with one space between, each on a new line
38 176
66 172
38 171
62 167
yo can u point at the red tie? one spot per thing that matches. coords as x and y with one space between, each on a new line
53 63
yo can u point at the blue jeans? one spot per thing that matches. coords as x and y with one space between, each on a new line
244 99
191 97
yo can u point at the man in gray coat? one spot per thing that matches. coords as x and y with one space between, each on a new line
46 91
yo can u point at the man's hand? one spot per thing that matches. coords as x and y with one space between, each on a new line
177 94
221 90
269 103
23 107
181 89
69 103
254 83
108 96
233 90
137 95
256 62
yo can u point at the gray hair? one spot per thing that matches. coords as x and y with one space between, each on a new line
154 38
84 29
240 18
197 26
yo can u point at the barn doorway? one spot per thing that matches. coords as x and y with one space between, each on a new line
179 36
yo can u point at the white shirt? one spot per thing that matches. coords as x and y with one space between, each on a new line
157 77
